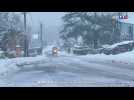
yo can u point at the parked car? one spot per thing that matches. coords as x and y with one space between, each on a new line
81 50
118 48
33 53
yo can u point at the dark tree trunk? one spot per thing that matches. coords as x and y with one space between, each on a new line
95 44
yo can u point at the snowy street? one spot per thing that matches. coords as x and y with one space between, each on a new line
71 71
66 49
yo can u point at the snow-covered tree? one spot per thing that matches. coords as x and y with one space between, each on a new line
10 29
92 26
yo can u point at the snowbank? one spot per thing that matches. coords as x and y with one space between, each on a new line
126 58
8 66
64 53
27 60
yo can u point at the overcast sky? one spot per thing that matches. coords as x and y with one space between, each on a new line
51 23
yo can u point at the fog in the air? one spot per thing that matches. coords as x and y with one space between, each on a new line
51 21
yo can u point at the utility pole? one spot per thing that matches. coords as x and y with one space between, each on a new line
41 36
26 37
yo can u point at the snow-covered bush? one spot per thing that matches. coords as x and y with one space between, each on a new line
80 50
10 54
2 55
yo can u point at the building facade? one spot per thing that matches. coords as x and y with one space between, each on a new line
126 27
127 31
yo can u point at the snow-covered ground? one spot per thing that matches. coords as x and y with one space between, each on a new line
125 58
69 70
8 66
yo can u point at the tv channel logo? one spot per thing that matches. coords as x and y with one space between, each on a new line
123 17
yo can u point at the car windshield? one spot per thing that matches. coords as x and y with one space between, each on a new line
66 49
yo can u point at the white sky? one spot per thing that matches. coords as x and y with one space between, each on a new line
51 23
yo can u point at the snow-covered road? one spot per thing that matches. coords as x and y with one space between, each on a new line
71 71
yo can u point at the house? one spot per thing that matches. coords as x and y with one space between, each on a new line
15 45
35 46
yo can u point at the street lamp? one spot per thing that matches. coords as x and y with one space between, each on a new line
113 20
113 25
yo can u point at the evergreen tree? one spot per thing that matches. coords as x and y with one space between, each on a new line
94 27
10 28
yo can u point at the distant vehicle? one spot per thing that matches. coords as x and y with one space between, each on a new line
34 51
55 51
118 48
